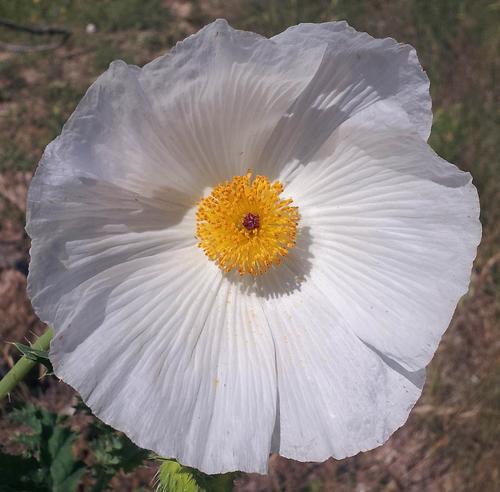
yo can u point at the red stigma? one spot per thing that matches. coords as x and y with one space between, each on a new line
250 222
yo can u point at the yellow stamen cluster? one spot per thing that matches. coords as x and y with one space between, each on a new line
245 225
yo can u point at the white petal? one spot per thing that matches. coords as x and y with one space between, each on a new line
220 93
190 119
394 232
356 71
145 329
113 136
186 361
165 350
336 395
142 331
81 227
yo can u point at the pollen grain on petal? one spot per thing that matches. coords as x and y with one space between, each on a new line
245 225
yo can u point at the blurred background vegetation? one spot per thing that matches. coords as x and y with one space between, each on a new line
451 440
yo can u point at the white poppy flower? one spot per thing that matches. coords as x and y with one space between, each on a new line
301 162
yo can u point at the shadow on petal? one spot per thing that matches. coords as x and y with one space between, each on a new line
88 237
331 97
417 378
282 279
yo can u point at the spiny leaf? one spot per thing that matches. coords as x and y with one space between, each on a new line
173 477
112 451
50 445
70 481
36 355
64 471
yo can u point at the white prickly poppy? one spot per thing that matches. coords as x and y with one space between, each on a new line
247 246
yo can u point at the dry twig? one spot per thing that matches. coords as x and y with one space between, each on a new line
38 31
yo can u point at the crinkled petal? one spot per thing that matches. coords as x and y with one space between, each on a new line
394 232
356 71
146 329
220 93
320 357
141 329
114 137
192 118
82 227
170 353
337 396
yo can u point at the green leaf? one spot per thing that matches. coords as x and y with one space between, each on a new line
173 477
70 481
50 444
113 451
64 471
36 355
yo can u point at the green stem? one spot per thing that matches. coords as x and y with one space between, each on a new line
23 366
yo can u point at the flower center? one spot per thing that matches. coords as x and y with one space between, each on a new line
245 225
251 221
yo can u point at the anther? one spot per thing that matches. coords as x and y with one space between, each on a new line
250 242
